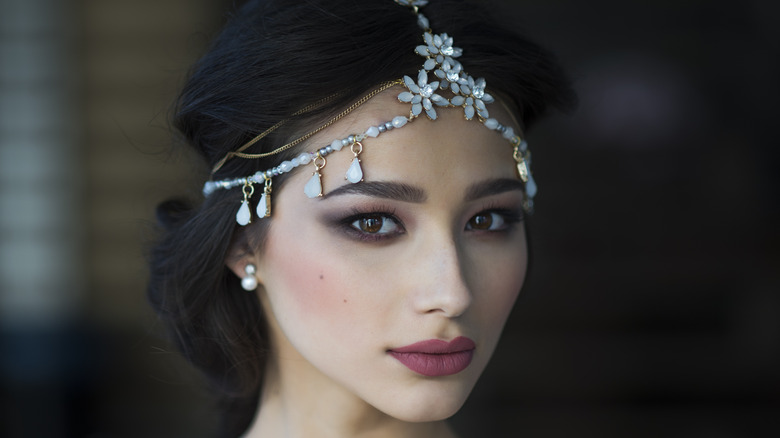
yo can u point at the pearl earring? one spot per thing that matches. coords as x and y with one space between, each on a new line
249 282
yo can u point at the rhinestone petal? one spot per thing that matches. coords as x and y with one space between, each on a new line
422 78
411 85
469 111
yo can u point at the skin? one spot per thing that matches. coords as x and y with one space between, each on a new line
338 297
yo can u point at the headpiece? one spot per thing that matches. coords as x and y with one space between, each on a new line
447 75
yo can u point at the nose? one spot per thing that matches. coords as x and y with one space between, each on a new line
440 281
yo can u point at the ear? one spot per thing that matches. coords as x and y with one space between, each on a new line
240 254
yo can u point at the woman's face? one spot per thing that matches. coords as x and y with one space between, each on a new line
431 246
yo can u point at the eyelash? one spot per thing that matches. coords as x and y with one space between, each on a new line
347 224
511 217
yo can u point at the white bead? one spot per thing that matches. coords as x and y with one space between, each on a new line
399 121
286 166
295 162
523 146
372 131
509 133
491 123
249 283
422 22
250 269
304 158
337 145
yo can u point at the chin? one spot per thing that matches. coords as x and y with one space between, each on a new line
433 406
435 411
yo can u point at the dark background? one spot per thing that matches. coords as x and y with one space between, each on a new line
653 305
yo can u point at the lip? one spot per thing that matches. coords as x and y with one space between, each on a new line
434 357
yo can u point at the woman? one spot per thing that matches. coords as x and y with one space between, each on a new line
364 294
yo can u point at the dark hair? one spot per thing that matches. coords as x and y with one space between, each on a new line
273 58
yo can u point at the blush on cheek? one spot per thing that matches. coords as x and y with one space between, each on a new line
316 294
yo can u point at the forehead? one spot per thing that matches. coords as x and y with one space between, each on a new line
426 153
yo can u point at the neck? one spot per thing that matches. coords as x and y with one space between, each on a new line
292 405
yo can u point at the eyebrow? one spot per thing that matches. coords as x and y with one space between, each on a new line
491 187
383 189
409 193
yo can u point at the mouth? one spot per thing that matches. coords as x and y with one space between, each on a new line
435 358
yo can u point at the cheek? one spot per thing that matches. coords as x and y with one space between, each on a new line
501 276
309 294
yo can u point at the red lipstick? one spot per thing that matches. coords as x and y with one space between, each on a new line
434 357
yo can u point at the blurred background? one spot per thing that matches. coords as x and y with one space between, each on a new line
653 306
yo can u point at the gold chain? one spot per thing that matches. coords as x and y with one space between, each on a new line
239 152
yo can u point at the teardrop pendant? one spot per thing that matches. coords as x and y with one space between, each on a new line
244 216
530 187
313 188
355 172
264 206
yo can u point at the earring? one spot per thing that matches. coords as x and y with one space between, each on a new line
249 282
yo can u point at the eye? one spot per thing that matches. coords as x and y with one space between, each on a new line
376 224
491 221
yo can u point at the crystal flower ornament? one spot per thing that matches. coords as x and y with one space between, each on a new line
449 73
473 97
422 95
437 49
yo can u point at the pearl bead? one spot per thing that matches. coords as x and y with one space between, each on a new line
249 283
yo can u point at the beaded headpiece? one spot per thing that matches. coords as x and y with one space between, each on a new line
447 75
